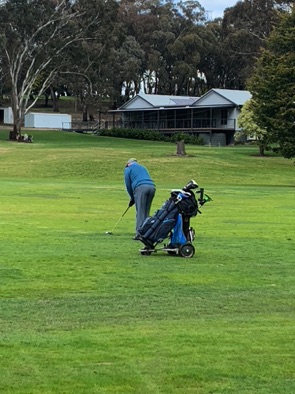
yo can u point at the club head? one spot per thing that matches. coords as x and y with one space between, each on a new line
191 185
109 232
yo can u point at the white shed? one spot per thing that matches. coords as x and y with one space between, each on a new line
6 115
47 121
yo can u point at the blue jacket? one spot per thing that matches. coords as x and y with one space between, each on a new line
136 175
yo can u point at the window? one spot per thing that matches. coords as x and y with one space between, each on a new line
224 116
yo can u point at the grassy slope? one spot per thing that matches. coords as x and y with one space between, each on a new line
84 312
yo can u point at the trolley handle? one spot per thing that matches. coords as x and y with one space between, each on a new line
201 193
203 197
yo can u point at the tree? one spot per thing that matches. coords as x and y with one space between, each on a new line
214 62
128 64
89 69
236 41
143 35
182 54
273 86
33 36
250 128
164 52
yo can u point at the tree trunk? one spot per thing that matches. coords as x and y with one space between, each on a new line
46 99
54 100
261 149
180 148
85 113
15 134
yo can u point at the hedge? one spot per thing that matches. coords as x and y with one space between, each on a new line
151 135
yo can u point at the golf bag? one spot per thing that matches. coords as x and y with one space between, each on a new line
173 219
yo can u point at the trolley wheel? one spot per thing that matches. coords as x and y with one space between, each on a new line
187 250
145 252
171 252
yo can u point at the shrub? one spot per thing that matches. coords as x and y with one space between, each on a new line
151 135
187 138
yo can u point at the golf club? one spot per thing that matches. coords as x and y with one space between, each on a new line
111 232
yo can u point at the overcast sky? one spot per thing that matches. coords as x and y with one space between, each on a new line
217 6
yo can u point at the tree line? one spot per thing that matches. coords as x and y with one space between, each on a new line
107 50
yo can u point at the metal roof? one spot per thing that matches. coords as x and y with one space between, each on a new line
213 98
161 100
238 97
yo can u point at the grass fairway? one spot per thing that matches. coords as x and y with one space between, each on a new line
84 312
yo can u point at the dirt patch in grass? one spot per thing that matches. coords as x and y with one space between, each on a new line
182 156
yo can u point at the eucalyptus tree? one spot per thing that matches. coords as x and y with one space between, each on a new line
143 31
28 31
169 36
213 60
245 29
90 62
273 86
184 53
34 36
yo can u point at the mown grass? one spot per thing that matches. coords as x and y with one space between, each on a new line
84 312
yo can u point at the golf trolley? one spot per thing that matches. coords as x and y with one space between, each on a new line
172 221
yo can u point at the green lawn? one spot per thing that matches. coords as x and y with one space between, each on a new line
84 312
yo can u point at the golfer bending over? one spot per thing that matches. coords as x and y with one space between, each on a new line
141 190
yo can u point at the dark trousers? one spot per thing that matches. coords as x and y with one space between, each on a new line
143 197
